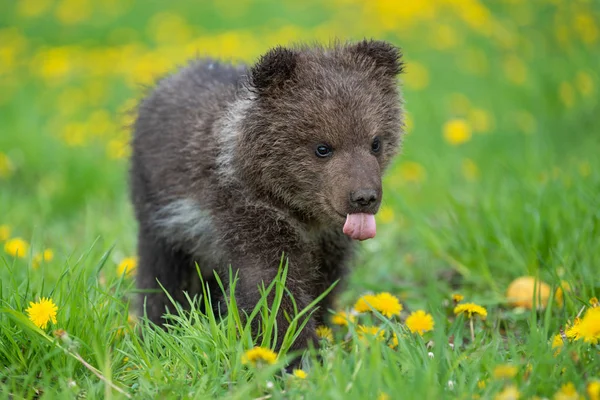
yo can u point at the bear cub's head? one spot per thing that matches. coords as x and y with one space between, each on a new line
319 128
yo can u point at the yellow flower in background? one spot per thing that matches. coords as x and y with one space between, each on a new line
586 27
480 120
4 232
385 214
300 374
416 76
505 371
388 304
16 247
469 169
411 171
510 392
42 312
593 390
584 83
342 318
324 332
566 93
393 341
470 309
70 12
559 296
443 37
409 122
481 384
515 70
127 266
258 356
557 341
365 303
457 131
169 28
383 396
420 322
589 327
457 298
365 332
594 302
74 134
567 392
32 8
118 149
572 331
6 166
46 256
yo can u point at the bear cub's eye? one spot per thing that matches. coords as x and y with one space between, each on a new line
323 151
376 145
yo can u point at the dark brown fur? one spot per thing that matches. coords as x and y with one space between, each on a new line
224 170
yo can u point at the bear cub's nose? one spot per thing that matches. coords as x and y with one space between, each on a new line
363 198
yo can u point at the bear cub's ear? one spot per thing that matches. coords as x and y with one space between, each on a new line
273 69
386 56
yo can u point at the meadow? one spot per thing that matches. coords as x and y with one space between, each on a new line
499 179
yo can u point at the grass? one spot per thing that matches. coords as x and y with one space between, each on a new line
499 178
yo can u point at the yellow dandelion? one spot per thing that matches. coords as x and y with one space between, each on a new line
342 318
388 304
46 256
4 232
324 332
567 392
420 322
6 166
393 341
365 332
385 215
505 371
559 294
42 312
457 131
365 303
300 374
383 396
594 302
557 341
589 327
258 356
457 298
417 76
481 120
572 331
470 309
127 266
509 393
16 247
481 384
584 83
413 172
593 390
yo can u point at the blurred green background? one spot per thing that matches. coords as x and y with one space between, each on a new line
499 173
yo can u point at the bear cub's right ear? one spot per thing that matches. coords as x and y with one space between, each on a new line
386 56
273 70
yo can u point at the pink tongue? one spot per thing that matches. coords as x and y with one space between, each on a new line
360 226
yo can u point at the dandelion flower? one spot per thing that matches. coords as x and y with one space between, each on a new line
46 256
16 247
593 390
370 331
420 322
481 384
522 291
342 318
567 392
324 332
4 232
594 302
457 298
127 266
42 312
572 332
258 356
470 309
383 396
589 327
509 393
505 371
457 131
393 341
300 374
365 303
557 341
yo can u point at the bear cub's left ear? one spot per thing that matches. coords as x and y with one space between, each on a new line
387 57
273 70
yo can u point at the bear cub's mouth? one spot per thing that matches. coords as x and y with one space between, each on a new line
360 226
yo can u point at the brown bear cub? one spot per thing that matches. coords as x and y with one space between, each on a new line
237 166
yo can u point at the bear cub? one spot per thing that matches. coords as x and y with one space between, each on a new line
235 166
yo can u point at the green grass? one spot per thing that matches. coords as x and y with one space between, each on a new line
527 204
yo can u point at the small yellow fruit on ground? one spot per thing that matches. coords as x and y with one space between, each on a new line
520 292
